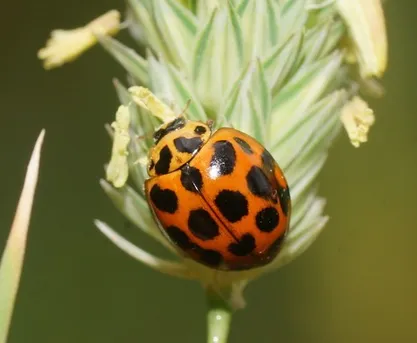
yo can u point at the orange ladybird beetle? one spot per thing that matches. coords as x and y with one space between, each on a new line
219 197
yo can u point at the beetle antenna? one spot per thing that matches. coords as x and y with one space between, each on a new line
210 123
144 136
187 105
224 121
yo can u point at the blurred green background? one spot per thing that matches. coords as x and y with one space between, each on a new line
357 283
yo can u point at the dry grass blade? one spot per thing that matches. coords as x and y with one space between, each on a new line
12 260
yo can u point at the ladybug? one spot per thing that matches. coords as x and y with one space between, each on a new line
219 197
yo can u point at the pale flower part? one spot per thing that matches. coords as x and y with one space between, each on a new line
66 45
366 23
118 169
12 260
357 118
144 98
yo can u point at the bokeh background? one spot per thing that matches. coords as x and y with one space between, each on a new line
357 283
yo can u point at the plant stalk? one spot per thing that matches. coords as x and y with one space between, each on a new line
219 316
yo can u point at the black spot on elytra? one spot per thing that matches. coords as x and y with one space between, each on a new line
179 237
244 246
191 178
200 130
223 160
202 224
151 164
188 145
244 145
285 199
259 184
164 199
267 219
268 161
176 124
210 257
164 161
232 204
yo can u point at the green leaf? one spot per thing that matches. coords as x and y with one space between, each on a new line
321 39
257 129
170 85
122 93
177 27
218 57
299 240
141 13
273 20
135 28
319 140
298 142
159 80
263 94
313 213
311 167
281 61
314 43
303 205
183 93
205 9
161 84
259 21
187 18
12 260
156 263
310 216
336 33
192 5
321 13
302 92
259 97
302 174
293 18
241 8
248 103
200 50
306 185
228 108
233 47
134 64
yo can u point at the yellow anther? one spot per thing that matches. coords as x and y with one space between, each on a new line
357 118
117 171
66 45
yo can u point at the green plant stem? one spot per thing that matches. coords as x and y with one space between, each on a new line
219 316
